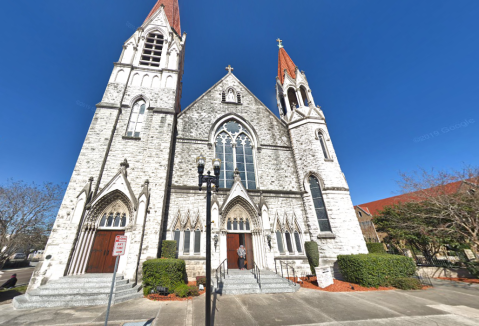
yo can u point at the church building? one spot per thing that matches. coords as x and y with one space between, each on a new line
280 184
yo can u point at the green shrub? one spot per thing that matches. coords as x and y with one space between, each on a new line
193 290
407 283
376 248
168 249
374 270
312 253
164 272
473 268
201 280
182 290
147 290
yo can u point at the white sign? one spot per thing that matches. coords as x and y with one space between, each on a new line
324 276
120 245
469 254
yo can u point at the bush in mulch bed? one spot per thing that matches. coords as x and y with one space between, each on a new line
190 289
407 283
374 270
164 272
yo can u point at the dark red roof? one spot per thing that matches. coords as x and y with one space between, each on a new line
172 10
378 205
285 62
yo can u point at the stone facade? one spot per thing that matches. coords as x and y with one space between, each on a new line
138 161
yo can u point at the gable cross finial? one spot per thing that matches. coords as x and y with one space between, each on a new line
280 43
229 68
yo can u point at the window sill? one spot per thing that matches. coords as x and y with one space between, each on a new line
192 257
131 138
286 257
326 235
328 160
225 102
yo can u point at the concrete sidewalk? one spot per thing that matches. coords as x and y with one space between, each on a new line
448 303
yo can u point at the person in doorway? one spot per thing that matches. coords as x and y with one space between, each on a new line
10 283
242 255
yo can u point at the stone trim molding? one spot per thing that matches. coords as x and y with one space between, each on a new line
131 138
326 235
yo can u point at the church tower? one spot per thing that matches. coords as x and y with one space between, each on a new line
330 215
120 181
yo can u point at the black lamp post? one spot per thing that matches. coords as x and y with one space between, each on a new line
210 180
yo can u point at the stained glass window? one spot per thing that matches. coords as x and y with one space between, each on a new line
298 241
279 241
288 242
197 241
177 239
235 149
136 119
186 242
319 206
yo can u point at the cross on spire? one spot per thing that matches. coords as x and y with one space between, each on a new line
280 43
229 68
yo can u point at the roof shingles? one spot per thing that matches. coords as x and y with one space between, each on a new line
172 10
285 62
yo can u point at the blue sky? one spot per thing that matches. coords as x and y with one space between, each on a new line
386 74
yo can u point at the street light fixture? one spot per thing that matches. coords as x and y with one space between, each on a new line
210 181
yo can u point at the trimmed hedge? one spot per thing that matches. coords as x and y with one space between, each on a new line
375 248
374 270
407 283
164 272
312 252
168 249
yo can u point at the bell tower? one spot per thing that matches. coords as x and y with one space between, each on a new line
329 210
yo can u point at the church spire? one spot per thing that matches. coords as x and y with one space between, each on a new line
172 10
285 63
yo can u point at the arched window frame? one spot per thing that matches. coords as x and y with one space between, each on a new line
246 225
246 131
304 94
137 119
292 98
327 227
153 46
236 96
186 245
322 140
197 242
109 218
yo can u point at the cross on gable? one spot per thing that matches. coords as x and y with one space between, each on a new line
229 68
280 43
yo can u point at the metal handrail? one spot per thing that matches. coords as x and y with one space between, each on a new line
222 269
257 274
288 266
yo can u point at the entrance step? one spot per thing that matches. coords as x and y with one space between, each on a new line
78 290
245 282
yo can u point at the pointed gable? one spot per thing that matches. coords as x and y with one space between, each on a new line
285 62
172 11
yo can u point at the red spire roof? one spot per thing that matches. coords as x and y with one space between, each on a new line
285 62
172 10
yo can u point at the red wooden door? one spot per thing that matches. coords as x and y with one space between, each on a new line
232 243
101 259
109 265
249 250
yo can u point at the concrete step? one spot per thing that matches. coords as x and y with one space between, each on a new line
78 294
275 285
93 282
279 290
240 280
240 286
239 291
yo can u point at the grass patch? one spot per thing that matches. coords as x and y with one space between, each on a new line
21 289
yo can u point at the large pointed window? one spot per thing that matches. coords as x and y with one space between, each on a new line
235 149
151 55
136 119
319 206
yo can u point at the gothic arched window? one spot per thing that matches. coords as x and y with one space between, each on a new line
177 239
319 206
151 55
186 242
136 119
289 245
293 100
113 219
323 145
298 241
304 95
235 149
279 242
197 241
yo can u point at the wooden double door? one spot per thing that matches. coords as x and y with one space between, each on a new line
233 241
101 258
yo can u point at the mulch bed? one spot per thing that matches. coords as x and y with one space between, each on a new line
338 286
172 296
460 279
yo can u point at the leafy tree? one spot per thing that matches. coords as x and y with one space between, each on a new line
27 213
439 208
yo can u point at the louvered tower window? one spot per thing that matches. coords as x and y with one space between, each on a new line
152 51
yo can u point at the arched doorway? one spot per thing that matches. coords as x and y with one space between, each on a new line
110 223
238 226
